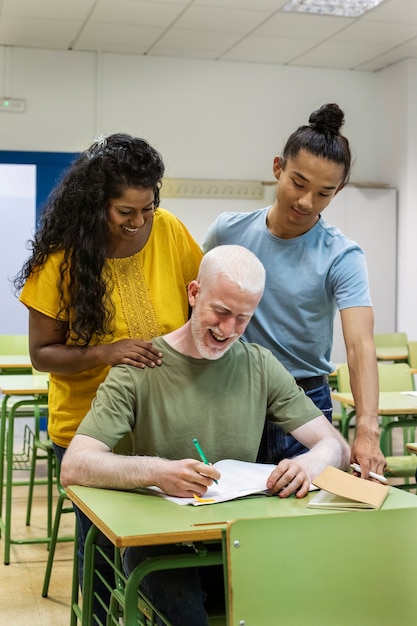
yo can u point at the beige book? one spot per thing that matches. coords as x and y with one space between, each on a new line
342 491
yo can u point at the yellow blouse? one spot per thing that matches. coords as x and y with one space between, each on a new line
150 299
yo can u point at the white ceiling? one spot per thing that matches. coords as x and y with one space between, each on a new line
232 30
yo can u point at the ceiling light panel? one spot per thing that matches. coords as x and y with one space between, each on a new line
339 8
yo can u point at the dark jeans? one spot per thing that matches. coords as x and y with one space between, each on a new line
83 526
277 445
179 594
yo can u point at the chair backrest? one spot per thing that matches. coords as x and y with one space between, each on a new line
393 340
331 546
412 354
395 377
14 344
343 380
392 377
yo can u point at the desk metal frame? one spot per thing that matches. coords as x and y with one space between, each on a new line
201 558
36 387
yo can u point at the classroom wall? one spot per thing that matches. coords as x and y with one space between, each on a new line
397 111
209 119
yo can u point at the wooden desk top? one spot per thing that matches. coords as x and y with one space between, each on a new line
132 519
390 402
392 353
24 385
15 361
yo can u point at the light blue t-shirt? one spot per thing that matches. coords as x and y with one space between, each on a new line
307 279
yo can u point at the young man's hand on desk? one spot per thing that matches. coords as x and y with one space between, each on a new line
327 447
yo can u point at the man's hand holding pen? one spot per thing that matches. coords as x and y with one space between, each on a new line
185 477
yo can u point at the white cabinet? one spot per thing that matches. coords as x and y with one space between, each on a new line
368 215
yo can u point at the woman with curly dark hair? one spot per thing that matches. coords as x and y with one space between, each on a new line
109 271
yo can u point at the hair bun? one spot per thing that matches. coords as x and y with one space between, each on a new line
328 118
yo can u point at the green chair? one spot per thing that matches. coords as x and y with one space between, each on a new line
55 538
401 466
14 344
258 595
391 346
397 377
346 415
35 447
13 460
390 340
412 354
392 377
337 418
40 449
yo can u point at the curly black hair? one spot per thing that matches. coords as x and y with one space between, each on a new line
74 221
322 138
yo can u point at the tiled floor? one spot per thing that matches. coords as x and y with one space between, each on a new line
21 603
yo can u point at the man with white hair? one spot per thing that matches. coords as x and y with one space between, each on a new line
211 386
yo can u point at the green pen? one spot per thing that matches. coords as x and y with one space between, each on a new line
202 455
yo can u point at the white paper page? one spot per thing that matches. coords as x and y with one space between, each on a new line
238 479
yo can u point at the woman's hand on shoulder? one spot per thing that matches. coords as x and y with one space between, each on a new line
132 352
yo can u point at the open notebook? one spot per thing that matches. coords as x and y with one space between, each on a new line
238 479
342 491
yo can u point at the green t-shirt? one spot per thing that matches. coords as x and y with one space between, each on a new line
223 403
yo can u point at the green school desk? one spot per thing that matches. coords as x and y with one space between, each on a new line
397 404
15 364
26 391
309 562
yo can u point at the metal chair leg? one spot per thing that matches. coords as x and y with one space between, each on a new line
45 447
54 539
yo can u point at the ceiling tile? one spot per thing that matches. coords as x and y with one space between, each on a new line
390 58
394 11
197 40
48 9
110 36
383 33
137 12
265 49
38 33
220 19
343 55
236 30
